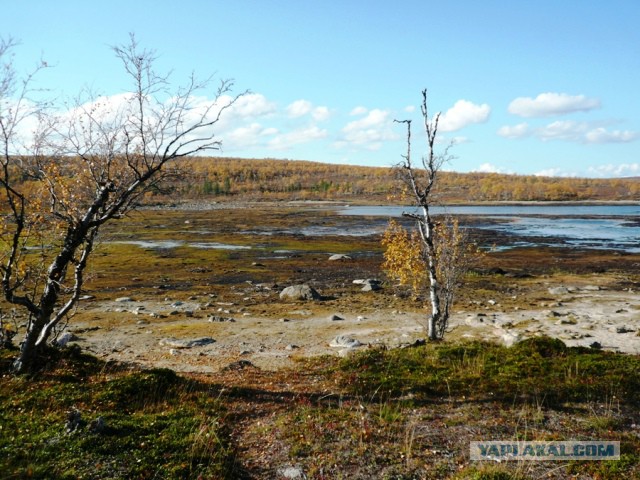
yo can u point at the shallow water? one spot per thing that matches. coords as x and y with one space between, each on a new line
177 243
609 227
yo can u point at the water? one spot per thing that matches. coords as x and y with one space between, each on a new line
609 227
167 244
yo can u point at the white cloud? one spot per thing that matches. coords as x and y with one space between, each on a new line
520 130
563 130
321 114
584 132
358 111
299 108
252 105
247 136
601 135
554 172
368 132
490 168
463 113
410 108
611 170
549 104
296 137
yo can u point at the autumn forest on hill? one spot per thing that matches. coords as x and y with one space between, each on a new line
271 179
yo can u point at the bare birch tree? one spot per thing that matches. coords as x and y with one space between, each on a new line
435 257
84 168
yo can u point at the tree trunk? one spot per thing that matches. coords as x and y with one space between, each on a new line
29 349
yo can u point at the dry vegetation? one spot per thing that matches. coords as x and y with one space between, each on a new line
219 178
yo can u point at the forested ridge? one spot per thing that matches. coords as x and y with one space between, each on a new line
274 179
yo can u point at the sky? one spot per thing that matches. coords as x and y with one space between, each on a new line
541 87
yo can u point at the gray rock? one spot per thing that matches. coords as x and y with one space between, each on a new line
74 421
558 290
344 341
124 299
186 343
218 318
511 338
623 330
97 425
65 338
300 292
336 318
340 257
292 473
371 287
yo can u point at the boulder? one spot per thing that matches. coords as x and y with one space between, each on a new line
186 343
339 257
344 341
300 292
336 318
558 290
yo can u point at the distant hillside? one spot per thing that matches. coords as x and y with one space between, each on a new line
272 179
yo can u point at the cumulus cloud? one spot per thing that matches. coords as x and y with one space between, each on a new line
584 132
369 131
296 137
550 104
520 130
554 172
246 136
358 111
321 114
612 170
490 168
463 113
601 135
252 105
570 131
299 108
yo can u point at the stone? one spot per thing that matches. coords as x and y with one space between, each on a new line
510 338
558 290
371 285
344 341
97 425
74 421
291 472
218 318
186 343
623 329
336 318
300 292
339 257
124 299
65 338
291 346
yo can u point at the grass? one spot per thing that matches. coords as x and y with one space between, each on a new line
155 424
380 414
393 414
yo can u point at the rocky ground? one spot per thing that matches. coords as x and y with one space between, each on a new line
204 336
158 298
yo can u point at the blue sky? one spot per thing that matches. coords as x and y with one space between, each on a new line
528 87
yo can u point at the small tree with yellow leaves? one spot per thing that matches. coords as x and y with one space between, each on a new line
80 170
433 258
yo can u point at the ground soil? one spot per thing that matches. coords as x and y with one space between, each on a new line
231 294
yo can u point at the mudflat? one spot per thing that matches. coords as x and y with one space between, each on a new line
196 288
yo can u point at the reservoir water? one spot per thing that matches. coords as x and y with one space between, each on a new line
610 227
